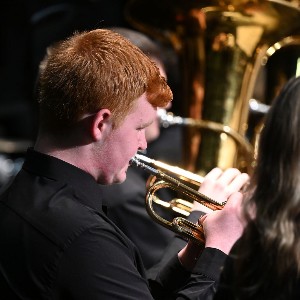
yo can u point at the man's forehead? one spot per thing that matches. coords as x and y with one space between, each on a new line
144 105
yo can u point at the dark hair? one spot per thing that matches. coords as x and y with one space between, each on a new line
94 70
269 250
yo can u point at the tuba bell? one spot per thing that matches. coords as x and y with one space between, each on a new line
222 46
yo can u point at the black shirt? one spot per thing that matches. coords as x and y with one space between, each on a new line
127 210
57 243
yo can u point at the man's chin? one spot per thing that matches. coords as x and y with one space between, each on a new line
117 180
120 179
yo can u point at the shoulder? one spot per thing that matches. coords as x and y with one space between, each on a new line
55 209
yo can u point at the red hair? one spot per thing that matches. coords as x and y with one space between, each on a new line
94 70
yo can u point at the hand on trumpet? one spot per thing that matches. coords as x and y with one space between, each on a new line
223 227
219 185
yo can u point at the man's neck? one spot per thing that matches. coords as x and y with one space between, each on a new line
78 156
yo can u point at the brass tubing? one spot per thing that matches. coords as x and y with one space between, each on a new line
179 225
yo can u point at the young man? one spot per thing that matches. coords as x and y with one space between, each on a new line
97 94
126 201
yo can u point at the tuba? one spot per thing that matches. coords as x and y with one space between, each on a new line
222 47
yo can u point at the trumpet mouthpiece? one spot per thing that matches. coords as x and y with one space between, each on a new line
143 162
144 158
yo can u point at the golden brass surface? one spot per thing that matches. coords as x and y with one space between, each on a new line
222 46
181 181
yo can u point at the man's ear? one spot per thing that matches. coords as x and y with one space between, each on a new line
101 123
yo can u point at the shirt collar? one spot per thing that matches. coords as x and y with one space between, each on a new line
59 170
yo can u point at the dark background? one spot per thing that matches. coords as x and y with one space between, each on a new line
27 28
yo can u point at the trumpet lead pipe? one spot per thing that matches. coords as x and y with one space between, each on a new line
145 163
181 173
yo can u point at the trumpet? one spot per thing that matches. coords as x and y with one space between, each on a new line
179 180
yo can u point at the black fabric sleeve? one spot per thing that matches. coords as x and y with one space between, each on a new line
171 278
180 284
211 263
98 265
227 278
204 280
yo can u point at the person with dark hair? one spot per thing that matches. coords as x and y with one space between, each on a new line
97 93
265 263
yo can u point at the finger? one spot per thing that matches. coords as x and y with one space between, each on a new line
234 202
202 219
237 183
214 174
200 207
228 176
